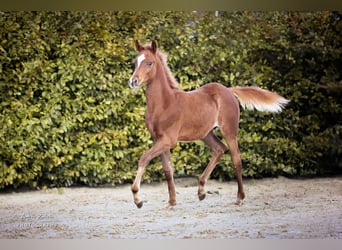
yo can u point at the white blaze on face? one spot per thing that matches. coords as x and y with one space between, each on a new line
140 59
133 81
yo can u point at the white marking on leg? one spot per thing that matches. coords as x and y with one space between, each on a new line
140 59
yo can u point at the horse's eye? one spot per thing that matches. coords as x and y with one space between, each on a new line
149 64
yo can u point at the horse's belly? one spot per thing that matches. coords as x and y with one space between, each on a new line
195 131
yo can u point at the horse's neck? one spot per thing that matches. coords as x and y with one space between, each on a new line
158 92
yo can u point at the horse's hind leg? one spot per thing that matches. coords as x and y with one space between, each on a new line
167 167
236 159
218 149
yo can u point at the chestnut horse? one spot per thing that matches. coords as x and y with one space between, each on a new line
174 115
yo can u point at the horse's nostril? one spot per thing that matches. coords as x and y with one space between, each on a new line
133 83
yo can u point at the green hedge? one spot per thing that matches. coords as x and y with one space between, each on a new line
68 117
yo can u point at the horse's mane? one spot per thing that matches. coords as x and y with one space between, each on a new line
172 80
163 58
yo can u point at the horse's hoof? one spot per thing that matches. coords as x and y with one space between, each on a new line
240 198
140 204
201 197
169 206
238 202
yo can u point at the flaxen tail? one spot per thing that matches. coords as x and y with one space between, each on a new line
259 99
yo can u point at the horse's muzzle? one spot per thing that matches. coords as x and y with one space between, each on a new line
133 83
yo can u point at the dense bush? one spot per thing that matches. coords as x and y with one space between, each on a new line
68 116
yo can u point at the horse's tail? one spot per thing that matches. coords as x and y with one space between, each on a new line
259 99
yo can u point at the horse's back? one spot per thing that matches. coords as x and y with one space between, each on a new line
222 94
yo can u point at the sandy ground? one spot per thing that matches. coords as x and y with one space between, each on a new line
275 208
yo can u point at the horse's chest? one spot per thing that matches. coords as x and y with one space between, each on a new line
160 123
150 124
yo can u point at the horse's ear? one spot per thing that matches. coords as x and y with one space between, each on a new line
138 46
154 46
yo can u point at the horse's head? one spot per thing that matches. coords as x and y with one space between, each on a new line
145 65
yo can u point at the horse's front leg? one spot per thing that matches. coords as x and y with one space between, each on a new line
158 148
167 167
